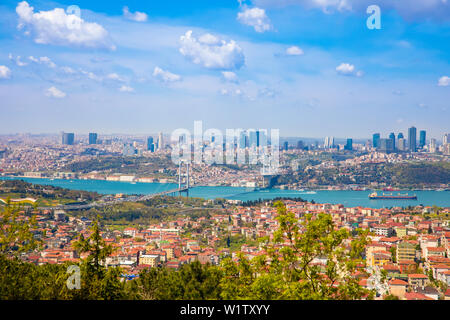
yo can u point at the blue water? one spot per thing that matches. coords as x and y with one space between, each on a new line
347 198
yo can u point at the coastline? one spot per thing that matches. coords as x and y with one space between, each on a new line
157 181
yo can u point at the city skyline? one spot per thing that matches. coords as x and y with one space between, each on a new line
248 64
370 136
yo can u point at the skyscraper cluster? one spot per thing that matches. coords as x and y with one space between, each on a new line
391 144
328 143
252 138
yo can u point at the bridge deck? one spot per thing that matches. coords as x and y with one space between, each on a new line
115 201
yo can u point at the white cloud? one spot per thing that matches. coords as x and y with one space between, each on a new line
68 70
230 76
444 81
91 75
165 76
256 18
348 69
115 77
294 51
345 68
208 38
5 73
126 89
43 60
212 53
53 92
59 28
17 61
137 16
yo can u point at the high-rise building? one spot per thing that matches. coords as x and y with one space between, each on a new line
68 138
150 144
349 145
412 139
401 144
392 137
285 146
160 141
300 145
243 140
253 137
400 136
446 139
92 138
432 147
262 138
422 138
329 142
258 138
375 140
386 145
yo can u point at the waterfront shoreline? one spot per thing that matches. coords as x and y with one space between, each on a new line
348 198
325 188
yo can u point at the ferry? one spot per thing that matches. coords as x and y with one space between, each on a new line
390 196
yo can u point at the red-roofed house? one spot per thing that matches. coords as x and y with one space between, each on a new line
398 288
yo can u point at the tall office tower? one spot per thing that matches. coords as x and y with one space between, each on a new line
300 145
68 138
149 143
258 141
386 145
392 137
253 138
349 145
331 142
401 144
262 138
286 146
243 140
422 138
160 141
412 139
446 139
432 147
326 143
92 138
375 140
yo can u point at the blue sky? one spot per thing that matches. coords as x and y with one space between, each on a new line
307 67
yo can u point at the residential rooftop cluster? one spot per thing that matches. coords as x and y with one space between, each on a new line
408 255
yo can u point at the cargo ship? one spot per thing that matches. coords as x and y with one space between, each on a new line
375 196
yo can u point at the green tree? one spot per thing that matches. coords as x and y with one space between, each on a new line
97 281
17 231
192 281
306 259
393 251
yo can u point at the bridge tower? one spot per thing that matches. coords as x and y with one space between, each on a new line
183 188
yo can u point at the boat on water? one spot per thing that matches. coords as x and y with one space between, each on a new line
390 196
